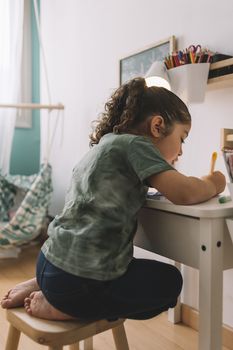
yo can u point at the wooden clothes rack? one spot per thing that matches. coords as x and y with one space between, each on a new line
32 106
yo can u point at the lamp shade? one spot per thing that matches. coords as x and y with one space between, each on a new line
157 76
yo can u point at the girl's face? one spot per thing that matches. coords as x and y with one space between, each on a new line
170 146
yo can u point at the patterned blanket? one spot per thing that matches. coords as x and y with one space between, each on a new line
28 219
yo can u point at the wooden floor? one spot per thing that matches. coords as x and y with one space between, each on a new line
153 334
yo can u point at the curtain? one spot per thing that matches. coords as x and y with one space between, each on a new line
11 40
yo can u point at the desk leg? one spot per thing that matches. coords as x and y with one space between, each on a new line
174 314
211 284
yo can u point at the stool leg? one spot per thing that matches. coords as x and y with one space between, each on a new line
120 339
74 346
12 339
88 344
58 347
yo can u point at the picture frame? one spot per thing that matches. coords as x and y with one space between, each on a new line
138 63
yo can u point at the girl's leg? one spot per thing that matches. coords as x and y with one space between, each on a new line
147 288
37 305
62 295
15 296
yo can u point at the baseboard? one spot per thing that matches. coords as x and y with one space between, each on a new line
190 317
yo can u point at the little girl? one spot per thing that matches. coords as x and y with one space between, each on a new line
86 268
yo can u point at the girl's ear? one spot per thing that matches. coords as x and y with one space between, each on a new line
156 124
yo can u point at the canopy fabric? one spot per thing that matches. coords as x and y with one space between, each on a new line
26 223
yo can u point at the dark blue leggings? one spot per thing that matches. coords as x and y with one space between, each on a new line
146 289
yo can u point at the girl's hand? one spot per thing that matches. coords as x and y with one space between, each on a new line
218 179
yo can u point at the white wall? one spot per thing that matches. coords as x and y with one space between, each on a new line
84 41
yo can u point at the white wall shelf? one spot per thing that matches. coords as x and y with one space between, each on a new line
223 80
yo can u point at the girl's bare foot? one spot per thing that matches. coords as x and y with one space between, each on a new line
36 305
15 296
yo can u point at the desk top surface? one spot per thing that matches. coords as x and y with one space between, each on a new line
209 209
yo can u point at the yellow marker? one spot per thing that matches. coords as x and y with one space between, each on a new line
213 161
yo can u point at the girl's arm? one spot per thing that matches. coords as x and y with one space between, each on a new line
181 189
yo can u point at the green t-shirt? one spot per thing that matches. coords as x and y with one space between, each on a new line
93 236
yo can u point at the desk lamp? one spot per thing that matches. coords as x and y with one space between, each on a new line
157 76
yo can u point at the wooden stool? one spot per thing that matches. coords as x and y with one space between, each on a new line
56 334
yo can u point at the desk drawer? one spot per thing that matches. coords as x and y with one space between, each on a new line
177 237
229 222
170 235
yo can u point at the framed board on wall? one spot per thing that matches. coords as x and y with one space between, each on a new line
138 63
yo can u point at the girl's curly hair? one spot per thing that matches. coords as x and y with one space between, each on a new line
132 103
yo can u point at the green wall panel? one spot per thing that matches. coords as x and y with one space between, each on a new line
25 156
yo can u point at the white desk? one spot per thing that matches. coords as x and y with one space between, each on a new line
196 236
